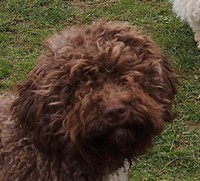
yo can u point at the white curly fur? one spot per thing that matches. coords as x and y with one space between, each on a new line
189 11
122 174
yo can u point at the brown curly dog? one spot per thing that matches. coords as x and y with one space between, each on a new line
94 101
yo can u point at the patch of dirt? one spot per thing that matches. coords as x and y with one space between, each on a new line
192 126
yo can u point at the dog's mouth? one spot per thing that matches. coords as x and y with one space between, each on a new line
111 146
123 142
114 143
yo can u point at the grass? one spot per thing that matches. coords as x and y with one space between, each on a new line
25 23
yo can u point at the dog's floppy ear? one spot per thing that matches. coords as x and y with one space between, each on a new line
160 76
164 85
43 98
170 80
160 79
169 76
38 107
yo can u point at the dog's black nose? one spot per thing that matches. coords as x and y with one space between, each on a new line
114 111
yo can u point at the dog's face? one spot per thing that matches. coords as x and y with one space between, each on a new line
99 94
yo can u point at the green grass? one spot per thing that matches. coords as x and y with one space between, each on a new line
25 23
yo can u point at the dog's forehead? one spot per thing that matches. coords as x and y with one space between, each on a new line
97 54
93 40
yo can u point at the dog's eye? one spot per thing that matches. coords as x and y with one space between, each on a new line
122 83
91 70
126 79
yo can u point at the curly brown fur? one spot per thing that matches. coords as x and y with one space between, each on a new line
96 98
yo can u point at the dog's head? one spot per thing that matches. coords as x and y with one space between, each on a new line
99 94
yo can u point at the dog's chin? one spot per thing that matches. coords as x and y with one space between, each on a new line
115 144
121 139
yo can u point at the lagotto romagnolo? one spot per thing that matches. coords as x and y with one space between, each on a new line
96 98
